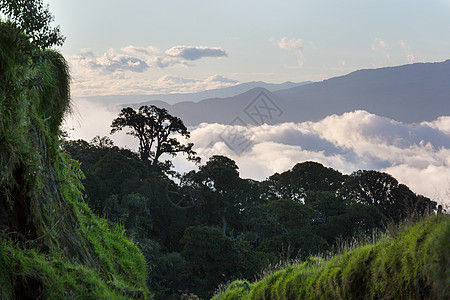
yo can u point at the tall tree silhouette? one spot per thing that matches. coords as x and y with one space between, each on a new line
154 127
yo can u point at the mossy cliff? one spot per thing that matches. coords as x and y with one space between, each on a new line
51 244
413 263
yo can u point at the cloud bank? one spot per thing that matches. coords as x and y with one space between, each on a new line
418 155
140 59
129 70
127 85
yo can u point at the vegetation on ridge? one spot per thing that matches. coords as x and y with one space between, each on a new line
214 226
51 244
413 263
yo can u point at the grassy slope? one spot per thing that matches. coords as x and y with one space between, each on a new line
412 264
51 244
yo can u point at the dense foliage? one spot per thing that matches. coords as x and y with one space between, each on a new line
412 263
212 226
51 244
33 19
154 127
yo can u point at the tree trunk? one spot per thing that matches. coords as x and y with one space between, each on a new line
224 222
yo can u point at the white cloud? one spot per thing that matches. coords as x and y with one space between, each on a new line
220 78
407 50
138 59
418 155
432 181
126 71
380 46
194 53
348 142
294 45
441 123
161 62
110 62
93 84
89 119
392 52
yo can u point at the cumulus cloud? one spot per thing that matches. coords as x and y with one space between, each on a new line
194 53
125 71
294 45
418 155
441 123
407 50
161 62
220 78
380 46
138 59
109 62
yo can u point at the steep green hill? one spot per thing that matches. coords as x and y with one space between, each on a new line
414 263
51 244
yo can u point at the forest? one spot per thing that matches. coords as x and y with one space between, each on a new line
91 220
210 226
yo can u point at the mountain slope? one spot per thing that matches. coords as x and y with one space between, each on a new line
195 97
410 93
237 110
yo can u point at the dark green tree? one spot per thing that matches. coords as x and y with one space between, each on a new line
396 201
306 176
220 194
154 127
285 228
212 258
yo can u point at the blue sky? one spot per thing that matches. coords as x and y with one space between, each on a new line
272 41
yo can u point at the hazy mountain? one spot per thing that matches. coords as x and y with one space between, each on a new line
194 97
409 93
224 110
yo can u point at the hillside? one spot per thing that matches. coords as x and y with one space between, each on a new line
51 244
413 263
194 97
410 94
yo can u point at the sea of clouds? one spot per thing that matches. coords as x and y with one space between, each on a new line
417 155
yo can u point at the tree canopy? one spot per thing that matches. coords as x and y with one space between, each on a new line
34 19
154 127
225 227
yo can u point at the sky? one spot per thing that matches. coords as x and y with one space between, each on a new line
141 47
153 47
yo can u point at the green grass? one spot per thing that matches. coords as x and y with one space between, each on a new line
59 279
413 263
50 241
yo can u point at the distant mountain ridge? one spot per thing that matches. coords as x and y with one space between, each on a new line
195 97
409 93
